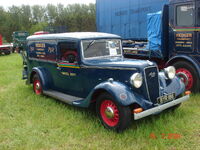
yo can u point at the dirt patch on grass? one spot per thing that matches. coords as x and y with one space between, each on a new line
2 89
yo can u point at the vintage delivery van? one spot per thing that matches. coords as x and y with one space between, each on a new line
84 69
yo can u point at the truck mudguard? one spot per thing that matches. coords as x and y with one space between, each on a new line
186 58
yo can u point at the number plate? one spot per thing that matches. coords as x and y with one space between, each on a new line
166 98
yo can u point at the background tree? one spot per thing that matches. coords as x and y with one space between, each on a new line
76 17
38 14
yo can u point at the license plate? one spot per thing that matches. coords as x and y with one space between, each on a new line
166 98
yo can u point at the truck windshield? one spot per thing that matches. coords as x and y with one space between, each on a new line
185 15
101 48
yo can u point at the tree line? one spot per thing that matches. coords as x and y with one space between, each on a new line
75 17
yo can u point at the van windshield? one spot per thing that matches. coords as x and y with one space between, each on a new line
101 48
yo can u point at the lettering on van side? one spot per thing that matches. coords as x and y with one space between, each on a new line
40 45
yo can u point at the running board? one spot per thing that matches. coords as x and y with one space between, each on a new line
62 97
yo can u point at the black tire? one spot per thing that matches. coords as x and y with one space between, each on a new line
37 85
7 52
13 50
122 115
195 87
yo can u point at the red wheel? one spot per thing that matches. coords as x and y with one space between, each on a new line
188 75
109 113
37 86
112 115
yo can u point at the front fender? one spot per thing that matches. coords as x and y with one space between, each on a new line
121 93
171 86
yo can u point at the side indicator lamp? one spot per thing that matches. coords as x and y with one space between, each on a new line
188 92
137 110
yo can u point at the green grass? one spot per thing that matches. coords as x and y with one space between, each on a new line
33 122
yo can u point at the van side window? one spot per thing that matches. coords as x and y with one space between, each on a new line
68 52
185 15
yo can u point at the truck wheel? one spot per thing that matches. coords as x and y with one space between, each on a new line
37 86
13 50
188 75
112 115
7 52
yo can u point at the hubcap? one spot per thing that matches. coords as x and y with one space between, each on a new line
37 86
109 112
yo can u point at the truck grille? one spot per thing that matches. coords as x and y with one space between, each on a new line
152 83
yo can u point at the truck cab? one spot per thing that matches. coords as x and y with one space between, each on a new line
88 69
184 37
19 39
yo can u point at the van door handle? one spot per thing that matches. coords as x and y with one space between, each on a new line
58 68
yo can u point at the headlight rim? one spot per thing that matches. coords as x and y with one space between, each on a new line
133 80
167 72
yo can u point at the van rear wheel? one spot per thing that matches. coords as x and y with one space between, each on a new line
37 86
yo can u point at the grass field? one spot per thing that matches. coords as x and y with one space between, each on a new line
34 122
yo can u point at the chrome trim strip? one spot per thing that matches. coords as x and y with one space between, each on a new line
113 68
145 78
41 60
160 107
134 49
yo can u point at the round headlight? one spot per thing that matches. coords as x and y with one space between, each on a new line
136 80
170 72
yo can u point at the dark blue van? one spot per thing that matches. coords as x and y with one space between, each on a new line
88 69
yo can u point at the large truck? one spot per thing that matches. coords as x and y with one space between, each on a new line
168 37
4 49
19 40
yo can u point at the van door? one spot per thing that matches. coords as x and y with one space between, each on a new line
67 77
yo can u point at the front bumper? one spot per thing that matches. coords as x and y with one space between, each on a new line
160 108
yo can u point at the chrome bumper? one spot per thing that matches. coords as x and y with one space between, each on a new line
160 108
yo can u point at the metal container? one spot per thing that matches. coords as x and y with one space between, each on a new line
127 18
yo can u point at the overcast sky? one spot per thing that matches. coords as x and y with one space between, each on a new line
7 3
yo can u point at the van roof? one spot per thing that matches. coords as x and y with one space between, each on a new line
73 35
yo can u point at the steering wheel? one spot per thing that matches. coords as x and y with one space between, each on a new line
70 56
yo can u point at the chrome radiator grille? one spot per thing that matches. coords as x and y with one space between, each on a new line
152 83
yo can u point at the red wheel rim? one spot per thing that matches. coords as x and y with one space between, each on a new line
186 77
109 113
37 87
